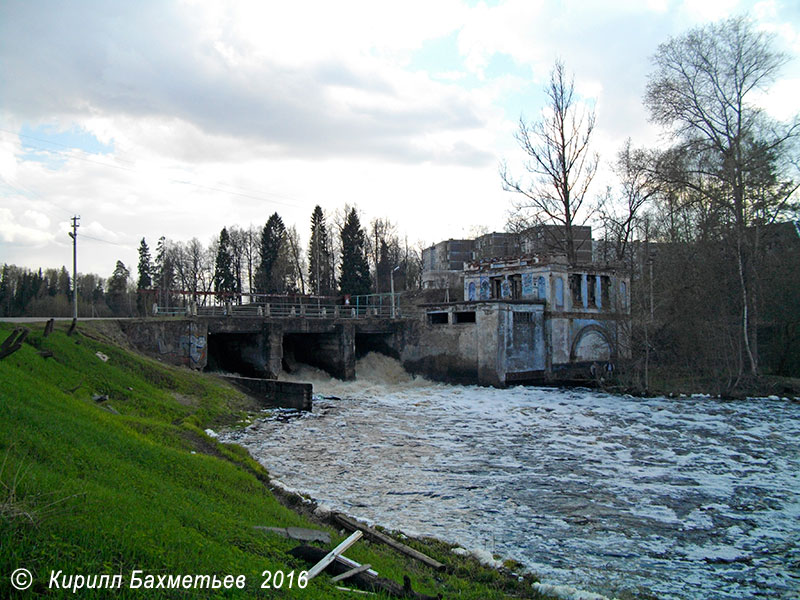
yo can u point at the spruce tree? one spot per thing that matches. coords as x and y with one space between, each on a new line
118 288
145 267
272 238
145 281
355 279
319 256
164 271
224 278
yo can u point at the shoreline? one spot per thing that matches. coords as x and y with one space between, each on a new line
341 492
508 567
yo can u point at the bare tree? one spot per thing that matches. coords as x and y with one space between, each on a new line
382 232
620 213
702 89
297 259
560 162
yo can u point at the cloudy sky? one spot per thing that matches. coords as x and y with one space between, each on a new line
177 118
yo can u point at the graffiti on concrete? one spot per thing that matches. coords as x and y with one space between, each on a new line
193 348
186 348
527 285
485 291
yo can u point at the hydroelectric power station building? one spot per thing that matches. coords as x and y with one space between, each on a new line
525 318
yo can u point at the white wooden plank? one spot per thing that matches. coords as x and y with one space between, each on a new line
331 556
350 573
344 589
349 562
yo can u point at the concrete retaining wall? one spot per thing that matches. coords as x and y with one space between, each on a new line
285 394
180 342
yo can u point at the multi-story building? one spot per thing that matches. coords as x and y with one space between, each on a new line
527 318
443 263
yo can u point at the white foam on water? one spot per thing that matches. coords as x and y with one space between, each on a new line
609 494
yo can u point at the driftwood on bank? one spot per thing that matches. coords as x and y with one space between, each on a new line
363 580
353 525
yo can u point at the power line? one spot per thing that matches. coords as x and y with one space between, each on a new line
22 190
89 237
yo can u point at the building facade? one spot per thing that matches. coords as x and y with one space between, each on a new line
526 319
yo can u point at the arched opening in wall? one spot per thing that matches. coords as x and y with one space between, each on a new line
236 353
592 344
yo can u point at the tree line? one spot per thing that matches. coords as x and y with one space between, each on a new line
342 258
703 224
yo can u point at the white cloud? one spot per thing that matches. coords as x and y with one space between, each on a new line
711 10
12 232
781 100
222 113
39 220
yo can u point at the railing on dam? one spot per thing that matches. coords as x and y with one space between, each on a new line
310 307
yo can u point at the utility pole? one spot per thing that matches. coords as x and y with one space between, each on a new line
74 235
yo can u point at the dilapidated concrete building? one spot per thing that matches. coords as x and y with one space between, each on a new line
527 318
443 263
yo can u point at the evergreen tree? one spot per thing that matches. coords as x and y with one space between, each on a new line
164 271
272 238
319 256
5 292
118 288
145 281
51 281
64 283
224 277
355 278
145 267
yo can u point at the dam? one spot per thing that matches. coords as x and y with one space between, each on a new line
524 319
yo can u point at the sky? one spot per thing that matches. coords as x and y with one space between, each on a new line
179 117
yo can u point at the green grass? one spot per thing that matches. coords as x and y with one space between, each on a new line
87 491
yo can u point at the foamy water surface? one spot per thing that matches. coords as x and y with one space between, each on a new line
690 498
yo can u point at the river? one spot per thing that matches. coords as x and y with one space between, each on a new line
691 498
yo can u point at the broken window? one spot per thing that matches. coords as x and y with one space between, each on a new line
467 316
591 288
437 318
605 291
575 290
516 286
497 284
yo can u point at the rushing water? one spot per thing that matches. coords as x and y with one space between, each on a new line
690 498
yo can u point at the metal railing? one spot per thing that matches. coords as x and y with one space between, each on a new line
309 307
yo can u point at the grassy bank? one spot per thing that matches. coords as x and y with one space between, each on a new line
106 469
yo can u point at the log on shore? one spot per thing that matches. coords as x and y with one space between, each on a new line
363 580
352 525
